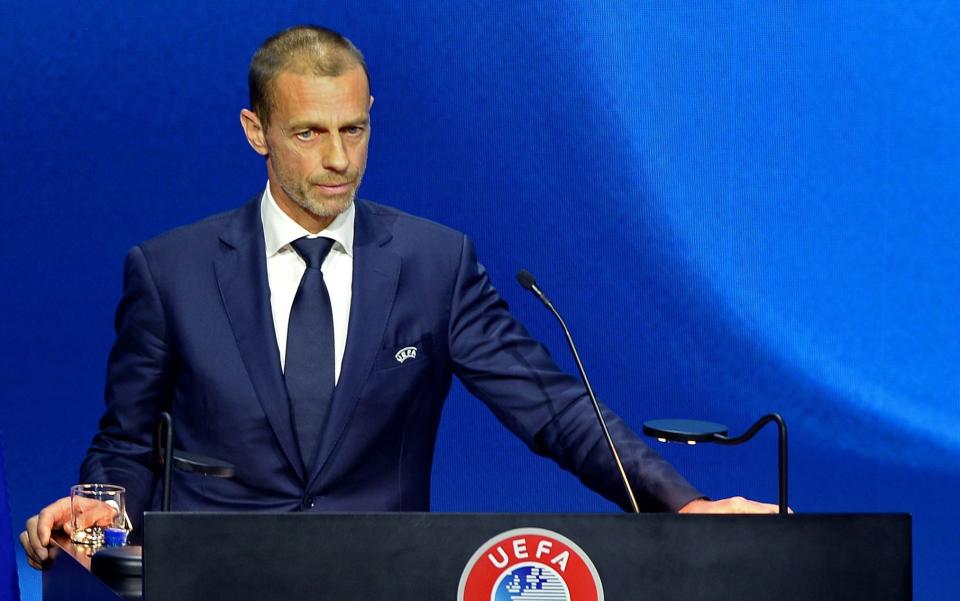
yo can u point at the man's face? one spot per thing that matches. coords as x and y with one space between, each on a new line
317 141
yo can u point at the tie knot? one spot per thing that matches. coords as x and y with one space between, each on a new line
313 250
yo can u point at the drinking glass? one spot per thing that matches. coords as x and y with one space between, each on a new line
94 508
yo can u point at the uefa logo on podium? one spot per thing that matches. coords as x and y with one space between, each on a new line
530 563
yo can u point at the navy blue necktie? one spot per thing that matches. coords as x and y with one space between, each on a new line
309 363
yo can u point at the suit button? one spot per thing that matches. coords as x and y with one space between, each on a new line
309 503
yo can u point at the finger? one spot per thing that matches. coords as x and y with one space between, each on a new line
25 543
765 508
44 525
52 516
754 507
33 564
38 550
101 514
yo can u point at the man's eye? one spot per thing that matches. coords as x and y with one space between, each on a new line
306 135
354 130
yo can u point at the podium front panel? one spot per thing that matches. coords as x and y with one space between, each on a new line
423 556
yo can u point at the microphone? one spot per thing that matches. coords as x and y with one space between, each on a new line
527 280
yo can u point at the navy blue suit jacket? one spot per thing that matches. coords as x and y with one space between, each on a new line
195 336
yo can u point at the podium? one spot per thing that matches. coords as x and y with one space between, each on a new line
447 557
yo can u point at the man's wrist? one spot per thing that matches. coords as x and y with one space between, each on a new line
692 506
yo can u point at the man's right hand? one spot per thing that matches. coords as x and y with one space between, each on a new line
36 538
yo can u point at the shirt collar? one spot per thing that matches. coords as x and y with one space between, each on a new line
279 229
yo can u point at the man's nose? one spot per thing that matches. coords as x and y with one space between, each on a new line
334 154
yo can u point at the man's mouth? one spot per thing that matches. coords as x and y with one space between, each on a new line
333 189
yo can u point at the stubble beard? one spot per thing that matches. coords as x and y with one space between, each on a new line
320 205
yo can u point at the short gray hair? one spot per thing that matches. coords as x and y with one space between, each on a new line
300 49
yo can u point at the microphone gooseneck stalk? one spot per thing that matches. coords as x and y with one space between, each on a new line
165 428
527 280
784 506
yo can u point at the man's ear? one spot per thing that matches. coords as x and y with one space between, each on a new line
253 129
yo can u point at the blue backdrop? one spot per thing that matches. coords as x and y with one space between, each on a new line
8 563
742 208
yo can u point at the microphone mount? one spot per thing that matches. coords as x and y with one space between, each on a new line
170 458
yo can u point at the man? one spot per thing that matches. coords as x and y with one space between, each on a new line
310 338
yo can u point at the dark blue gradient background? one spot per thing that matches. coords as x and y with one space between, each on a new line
742 208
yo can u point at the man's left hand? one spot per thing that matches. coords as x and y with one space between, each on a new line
731 505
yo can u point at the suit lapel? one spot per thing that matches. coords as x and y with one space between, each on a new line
242 277
376 271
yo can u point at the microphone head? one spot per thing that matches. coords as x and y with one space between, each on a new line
526 279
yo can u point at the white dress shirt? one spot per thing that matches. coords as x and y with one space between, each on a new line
285 269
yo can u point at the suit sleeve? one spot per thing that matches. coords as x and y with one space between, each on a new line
498 361
138 387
